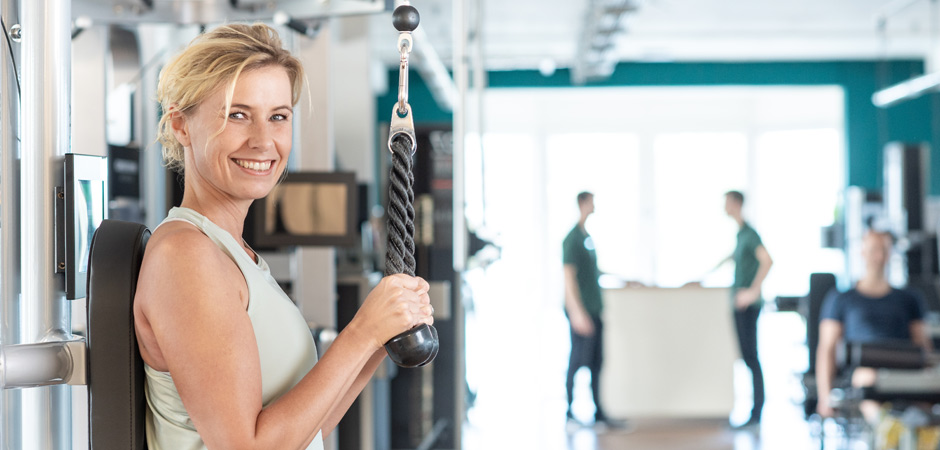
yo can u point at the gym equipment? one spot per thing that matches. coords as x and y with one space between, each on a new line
902 384
900 374
887 355
908 383
419 345
810 308
113 368
39 350
116 403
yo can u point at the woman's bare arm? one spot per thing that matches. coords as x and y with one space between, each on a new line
206 340
378 358
353 392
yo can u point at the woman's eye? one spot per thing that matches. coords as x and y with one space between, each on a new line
236 115
279 117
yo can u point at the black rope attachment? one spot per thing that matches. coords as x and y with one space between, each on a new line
400 252
417 346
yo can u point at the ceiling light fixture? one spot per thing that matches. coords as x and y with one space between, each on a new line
907 90
914 87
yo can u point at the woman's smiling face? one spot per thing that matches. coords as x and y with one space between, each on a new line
245 160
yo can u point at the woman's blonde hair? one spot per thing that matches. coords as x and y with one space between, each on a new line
211 61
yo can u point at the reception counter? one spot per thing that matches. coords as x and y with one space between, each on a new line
669 352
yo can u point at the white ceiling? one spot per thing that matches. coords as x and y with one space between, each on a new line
526 33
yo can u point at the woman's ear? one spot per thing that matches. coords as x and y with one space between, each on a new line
179 123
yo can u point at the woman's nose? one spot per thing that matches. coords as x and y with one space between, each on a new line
261 136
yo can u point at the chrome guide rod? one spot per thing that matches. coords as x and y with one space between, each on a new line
461 71
46 63
10 401
461 74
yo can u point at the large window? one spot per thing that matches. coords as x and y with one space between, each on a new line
607 165
692 171
659 160
798 180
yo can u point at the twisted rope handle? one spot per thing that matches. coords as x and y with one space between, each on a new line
400 252
419 345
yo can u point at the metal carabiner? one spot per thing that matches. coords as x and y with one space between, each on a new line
404 48
402 124
402 120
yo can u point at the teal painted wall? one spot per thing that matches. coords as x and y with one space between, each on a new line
868 128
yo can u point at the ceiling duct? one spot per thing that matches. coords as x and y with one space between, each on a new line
292 13
430 67
216 11
603 21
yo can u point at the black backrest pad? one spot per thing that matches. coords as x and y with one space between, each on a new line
116 404
820 287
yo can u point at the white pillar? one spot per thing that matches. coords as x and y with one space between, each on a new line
461 71
314 274
315 267
355 130
89 51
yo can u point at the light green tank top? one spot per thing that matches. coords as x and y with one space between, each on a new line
285 346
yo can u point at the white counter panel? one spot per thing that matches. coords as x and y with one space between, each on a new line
668 352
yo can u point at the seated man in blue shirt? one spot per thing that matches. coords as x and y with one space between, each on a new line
873 311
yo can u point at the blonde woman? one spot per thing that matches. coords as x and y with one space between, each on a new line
229 361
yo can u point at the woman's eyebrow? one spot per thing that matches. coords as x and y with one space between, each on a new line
248 107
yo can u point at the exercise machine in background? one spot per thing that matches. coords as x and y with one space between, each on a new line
903 208
908 385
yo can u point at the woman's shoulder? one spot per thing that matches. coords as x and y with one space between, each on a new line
180 253
179 240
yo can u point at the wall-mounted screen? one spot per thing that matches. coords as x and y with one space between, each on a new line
85 206
307 208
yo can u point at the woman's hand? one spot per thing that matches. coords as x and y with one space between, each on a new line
397 304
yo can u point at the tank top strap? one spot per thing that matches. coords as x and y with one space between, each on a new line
220 237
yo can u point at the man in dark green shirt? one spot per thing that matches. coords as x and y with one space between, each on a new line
583 306
751 265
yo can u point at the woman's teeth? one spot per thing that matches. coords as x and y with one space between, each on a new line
257 166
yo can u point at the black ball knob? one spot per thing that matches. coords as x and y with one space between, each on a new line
405 18
415 347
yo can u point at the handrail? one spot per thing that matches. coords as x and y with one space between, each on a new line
42 364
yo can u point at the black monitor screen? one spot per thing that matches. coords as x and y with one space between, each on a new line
307 208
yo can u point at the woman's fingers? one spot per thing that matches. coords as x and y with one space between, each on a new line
404 297
411 285
421 310
424 287
409 282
